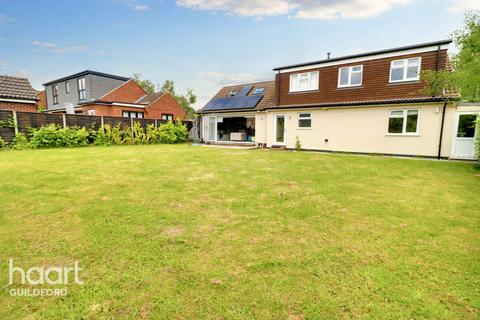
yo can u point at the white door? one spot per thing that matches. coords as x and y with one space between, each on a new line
210 128
464 137
279 129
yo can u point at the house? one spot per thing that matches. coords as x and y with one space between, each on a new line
101 94
17 94
363 103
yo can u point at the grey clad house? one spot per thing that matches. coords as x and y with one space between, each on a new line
80 87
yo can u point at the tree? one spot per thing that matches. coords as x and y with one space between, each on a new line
467 61
186 101
146 85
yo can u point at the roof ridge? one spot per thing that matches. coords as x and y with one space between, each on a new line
246 84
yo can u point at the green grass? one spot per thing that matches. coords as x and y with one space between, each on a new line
182 232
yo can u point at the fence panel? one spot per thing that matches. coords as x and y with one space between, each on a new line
27 120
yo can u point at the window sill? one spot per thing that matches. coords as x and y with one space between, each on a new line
306 91
394 83
350 87
402 135
298 128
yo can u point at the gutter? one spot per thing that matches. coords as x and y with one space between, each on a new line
441 131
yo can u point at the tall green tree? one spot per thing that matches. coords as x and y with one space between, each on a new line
467 61
147 85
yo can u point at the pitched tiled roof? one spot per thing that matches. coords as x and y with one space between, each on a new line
269 95
16 88
149 98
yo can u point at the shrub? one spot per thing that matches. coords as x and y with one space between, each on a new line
167 133
138 134
2 143
20 142
102 137
181 132
478 138
52 136
298 144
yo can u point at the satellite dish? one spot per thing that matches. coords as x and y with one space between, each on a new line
69 108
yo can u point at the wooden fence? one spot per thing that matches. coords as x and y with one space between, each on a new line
12 122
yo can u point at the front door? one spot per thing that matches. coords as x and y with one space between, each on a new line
464 138
279 129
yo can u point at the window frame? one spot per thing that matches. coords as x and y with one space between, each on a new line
82 91
167 115
405 70
91 112
55 93
308 118
67 87
404 124
129 113
349 84
261 89
298 75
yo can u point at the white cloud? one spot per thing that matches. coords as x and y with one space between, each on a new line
460 6
223 79
140 7
55 48
4 18
300 9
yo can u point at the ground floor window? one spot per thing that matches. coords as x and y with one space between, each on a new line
466 125
167 116
132 114
304 120
90 112
403 122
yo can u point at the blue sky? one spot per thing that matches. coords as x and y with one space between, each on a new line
204 44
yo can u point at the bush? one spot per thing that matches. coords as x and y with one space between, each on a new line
181 132
20 142
2 143
478 138
167 133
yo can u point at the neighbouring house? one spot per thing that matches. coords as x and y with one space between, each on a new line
42 100
363 103
101 94
17 94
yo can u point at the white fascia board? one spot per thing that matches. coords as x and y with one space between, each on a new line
18 100
128 105
367 58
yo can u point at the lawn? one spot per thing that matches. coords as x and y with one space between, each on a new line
183 232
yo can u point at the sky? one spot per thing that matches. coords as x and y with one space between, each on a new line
205 44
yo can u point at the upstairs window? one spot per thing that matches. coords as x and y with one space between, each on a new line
55 94
405 70
82 93
166 116
67 87
233 93
304 120
259 91
403 122
307 81
350 76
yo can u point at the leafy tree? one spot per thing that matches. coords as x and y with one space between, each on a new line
467 61
146 85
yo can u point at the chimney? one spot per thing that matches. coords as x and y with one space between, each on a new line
328 55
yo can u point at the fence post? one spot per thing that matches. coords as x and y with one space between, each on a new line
101 121
131 125
156 124
15 122
64 117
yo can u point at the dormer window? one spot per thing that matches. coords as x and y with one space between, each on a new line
307 81
259 91
405 70
350 76
233 93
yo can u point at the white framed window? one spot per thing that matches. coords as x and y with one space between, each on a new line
350 76
132 114
307 81
403 122
82 93
259 91
67 87
405 70
90 112
55 94
305 120
166 116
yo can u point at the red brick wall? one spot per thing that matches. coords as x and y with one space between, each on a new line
110 111
130 91
25 107
166 104
375 84
42 100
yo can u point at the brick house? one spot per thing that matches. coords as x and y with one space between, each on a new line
17 94
364 103
101 94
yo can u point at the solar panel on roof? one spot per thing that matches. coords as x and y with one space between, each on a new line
236 102
245 90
